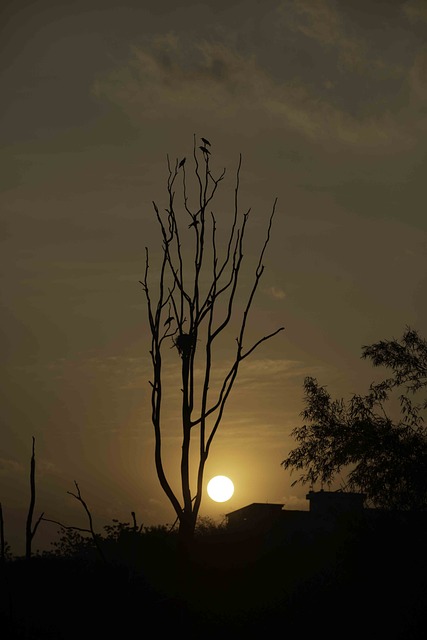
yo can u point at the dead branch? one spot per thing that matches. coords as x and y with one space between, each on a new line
29 531
2 541
95 537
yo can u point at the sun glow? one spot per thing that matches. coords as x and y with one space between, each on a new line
220 488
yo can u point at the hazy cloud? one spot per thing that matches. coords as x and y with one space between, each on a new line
9 467
276 292
415 10
321 22
418 78
169 76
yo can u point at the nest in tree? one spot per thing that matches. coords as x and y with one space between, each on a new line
185 344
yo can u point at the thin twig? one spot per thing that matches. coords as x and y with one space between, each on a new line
89 515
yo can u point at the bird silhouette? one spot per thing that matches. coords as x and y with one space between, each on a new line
168 320
204 150
205 141
181 164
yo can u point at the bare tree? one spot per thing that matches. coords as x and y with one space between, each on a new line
2 540
30 531
197 282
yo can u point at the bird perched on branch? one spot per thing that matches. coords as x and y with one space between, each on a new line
205 142
181 164
204 150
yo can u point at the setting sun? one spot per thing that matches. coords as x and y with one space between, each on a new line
220 488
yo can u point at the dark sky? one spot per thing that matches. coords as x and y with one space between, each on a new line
326 101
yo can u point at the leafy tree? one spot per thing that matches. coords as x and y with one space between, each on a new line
387 459
197 283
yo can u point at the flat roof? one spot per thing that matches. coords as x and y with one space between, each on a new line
271 505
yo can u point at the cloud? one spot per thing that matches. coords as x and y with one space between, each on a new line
169 74
415 10
322 23
45 467
9 467
418 77
277 293
199 81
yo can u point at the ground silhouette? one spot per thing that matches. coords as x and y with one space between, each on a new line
354 580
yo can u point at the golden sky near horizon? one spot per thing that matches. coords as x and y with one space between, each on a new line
325 100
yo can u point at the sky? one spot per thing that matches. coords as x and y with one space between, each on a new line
327 103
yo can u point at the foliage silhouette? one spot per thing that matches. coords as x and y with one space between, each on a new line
387 459
239 586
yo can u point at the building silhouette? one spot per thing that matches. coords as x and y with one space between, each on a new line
325 507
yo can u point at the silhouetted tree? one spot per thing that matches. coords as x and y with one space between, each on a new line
30 531
196 291
3 542
387 458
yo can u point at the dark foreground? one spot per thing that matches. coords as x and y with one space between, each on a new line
346 583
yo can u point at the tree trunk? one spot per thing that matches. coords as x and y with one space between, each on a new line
28 529
184 567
